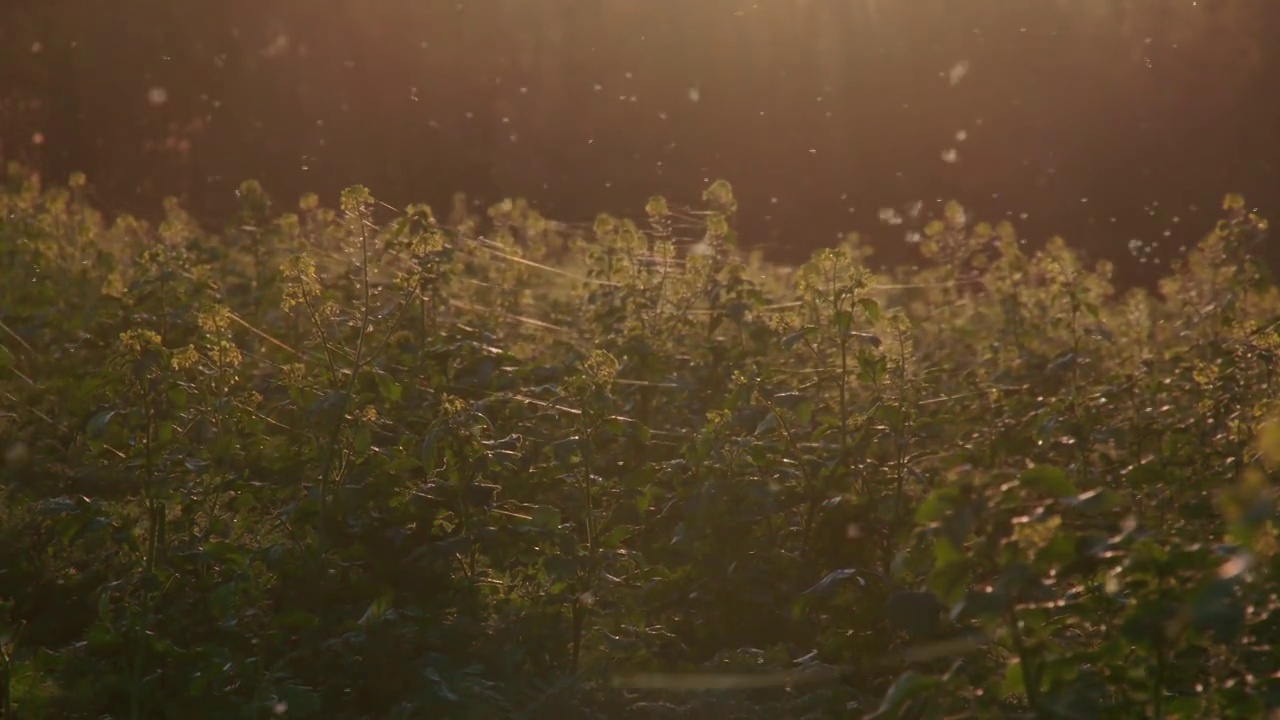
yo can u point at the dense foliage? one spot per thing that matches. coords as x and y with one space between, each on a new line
367 463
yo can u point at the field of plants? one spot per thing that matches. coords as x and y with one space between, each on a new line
354 461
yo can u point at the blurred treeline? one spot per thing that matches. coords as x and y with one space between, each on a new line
1099 119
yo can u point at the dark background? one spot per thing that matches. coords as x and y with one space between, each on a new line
1101 120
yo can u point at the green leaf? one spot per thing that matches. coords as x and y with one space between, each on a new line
792 339
363 441
768 424
937 506
945 554
560 567
790 400
844 322
1217 609
377 610
834 579
1147 622
1186 707
545 516
871 308
804 412
566 449
225 552
390 389
957 526
1050 480
1060 549
98 423
951 573
296 702
1014 682
430 450
978 604
907 687
614 538
714 322
1096 501
914 612
645 499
